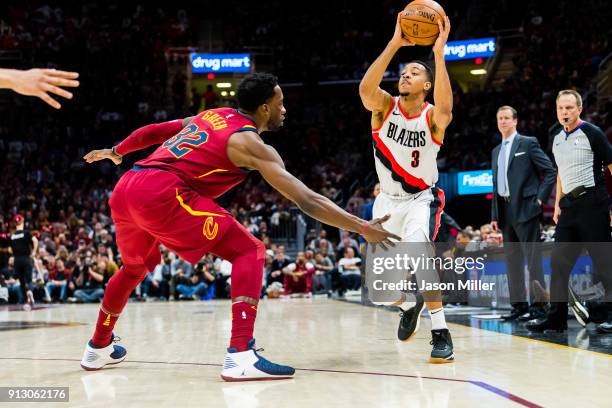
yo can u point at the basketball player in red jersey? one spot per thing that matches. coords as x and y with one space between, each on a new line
168 198
407 134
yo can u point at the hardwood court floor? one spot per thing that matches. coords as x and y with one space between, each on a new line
346 355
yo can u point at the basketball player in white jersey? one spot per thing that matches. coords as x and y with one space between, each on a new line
407 134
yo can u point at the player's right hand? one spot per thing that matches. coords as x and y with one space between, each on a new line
398 38
375 234
41 82
556 214
102 154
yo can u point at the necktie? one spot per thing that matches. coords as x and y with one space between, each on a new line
502 188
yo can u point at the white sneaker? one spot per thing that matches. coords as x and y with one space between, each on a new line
250 366
95 358
580 311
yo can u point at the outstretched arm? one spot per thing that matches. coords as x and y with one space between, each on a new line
39 82
246 149
441 115
372 96
150 135
141 138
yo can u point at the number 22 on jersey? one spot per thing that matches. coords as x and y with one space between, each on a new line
190 136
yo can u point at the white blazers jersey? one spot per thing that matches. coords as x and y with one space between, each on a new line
405 152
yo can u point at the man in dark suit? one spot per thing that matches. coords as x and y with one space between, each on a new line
518 195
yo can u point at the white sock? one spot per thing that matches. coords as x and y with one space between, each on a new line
407 305
438 321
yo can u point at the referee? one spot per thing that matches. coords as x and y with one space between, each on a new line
23 247
581 152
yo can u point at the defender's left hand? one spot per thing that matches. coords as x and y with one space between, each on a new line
102 154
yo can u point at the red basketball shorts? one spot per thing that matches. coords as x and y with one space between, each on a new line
152 206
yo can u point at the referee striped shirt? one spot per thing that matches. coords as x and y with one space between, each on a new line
581 155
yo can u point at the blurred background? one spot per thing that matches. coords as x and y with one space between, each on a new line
150 62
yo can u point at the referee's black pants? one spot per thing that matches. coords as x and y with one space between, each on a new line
584 223
521 240
23 270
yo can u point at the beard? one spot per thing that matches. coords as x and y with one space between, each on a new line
404 94
273 126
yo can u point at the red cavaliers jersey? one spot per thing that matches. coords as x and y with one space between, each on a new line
198 154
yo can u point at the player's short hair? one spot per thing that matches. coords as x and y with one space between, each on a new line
510 108
570 92
255 90
428 70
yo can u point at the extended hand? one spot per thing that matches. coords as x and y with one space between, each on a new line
38 82
375 234
444 28
96 155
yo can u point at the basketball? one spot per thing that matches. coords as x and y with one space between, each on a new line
419 21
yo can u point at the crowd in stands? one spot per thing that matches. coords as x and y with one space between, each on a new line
119 49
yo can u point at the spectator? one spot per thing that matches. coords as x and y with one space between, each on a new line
90 282
326 248
223 272
180 264
321 280
198 284
366 210
158 281
181 271
298 276
58 278
350 271
347 242
11 282
315 244
278 264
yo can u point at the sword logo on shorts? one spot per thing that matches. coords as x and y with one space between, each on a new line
210 228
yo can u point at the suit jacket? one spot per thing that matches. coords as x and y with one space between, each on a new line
527 161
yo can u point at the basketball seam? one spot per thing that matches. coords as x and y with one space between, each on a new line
429 36
419 21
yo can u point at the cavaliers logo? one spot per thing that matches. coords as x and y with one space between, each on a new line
210 228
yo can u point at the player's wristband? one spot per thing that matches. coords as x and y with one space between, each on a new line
115 152
363 227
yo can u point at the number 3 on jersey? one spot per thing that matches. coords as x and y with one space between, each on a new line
415 158
179 144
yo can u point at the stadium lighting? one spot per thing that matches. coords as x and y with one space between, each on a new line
224 85
479 71
223 93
